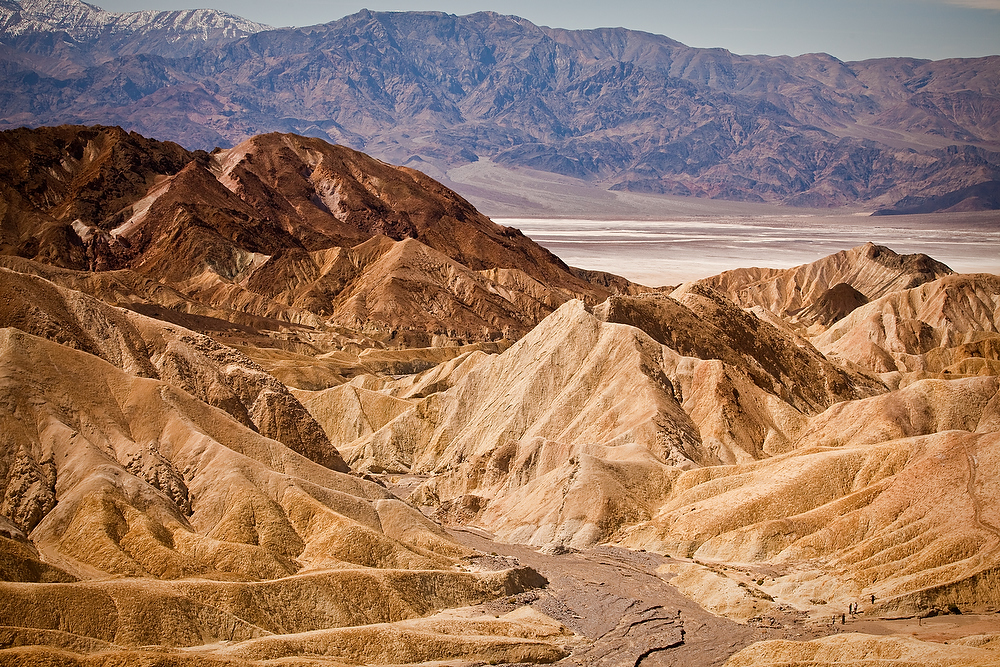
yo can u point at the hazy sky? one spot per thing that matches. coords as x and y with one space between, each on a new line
847 29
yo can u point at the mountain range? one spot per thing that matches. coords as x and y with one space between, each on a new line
617 108
285 402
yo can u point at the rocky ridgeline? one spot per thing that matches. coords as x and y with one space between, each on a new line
280 232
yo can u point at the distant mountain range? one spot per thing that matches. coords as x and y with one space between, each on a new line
623 109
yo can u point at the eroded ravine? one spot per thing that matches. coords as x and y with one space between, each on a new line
626 614
977 504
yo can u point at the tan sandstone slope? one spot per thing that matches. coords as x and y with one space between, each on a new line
892 496
579 429
150 348
823 291
946 328
614 428
209 530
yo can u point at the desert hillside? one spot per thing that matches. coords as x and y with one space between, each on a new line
288 404
279 233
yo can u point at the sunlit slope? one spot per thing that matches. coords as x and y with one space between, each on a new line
208 530
716 436
948 327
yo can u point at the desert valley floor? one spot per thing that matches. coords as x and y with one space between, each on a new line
681 249
285 404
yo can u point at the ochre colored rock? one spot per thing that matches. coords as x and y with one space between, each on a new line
857 650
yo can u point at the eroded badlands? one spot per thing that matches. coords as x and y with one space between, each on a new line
285 404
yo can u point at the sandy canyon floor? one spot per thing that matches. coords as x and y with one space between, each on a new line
623 609
627 613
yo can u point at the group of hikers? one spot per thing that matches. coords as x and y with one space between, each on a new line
852 609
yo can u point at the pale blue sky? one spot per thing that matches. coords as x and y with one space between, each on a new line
847 29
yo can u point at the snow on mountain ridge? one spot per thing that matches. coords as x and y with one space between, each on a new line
84 21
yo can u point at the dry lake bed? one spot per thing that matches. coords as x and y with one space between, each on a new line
668 252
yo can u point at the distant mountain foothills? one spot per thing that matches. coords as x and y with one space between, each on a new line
286 403
621 109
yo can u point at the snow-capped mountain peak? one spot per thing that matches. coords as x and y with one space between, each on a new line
83 21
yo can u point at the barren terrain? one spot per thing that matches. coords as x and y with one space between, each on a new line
286 404
621 109
627 613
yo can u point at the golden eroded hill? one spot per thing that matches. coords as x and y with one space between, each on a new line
946 328
778 478
824 291
149 348
156 519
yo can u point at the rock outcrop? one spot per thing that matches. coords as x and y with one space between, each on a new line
546 434
698 322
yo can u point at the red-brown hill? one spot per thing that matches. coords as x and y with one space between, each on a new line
240 229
